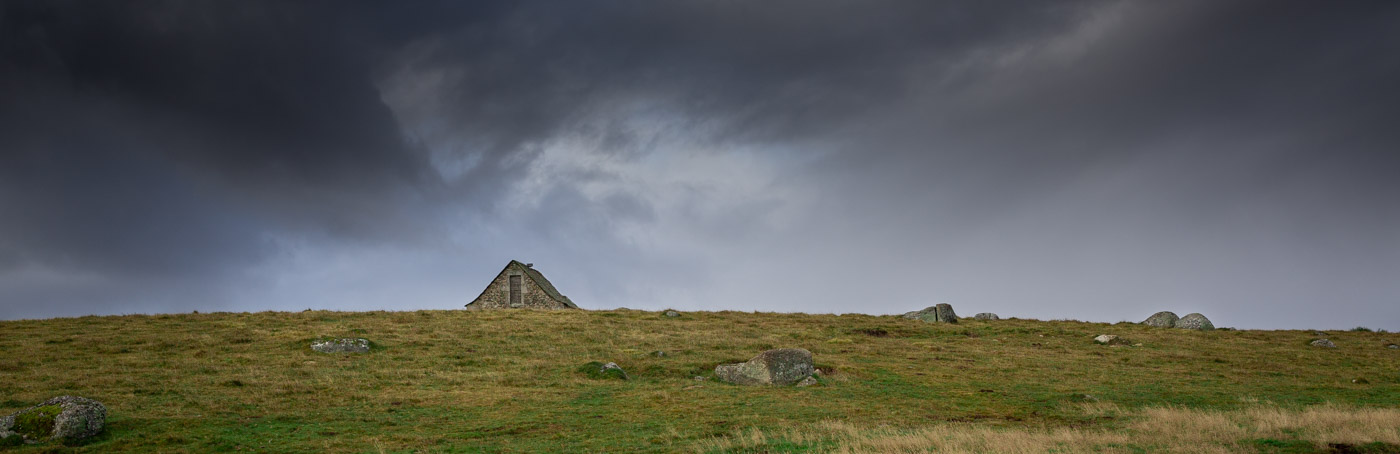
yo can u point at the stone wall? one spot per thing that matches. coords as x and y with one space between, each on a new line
497 295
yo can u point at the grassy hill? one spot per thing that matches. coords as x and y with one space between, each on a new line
507 381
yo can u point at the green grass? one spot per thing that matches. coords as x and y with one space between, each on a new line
510 381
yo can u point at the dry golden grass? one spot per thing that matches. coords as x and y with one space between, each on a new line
1157 429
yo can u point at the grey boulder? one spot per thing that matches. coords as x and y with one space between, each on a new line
783 366
942 312
1324 343
62 417
1110 339
341 346
1164 319
671 313
986 316
1195 321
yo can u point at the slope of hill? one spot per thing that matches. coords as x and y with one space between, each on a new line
507 381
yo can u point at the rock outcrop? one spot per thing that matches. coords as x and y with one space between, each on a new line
1164 319
986 316
341 345
1110 339
942 312
1195 321
1324 343
783 366
59 418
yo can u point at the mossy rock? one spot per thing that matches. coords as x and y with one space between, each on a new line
64 417
1324 343
601 371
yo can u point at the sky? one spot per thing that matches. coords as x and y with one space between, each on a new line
1089 160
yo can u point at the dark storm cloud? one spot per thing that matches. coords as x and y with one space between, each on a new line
756 71
1220 154
166 136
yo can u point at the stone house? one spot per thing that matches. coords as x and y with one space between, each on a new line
520 285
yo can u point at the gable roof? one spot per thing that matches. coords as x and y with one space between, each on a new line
539 279
544 284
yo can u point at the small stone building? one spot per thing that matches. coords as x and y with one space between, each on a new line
520 285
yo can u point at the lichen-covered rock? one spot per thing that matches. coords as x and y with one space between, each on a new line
62 417
809 381
1164 319
783 366
671 313
7 425
1195 321
944 312
341 346
1393 346
1324 343
1110 339
614 369
986 316
941 312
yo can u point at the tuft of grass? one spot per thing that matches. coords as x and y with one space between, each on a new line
1375 447
1276 446
872 332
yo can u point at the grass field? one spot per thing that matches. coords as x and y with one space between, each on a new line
507 381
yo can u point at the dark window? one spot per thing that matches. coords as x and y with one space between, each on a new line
515 290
